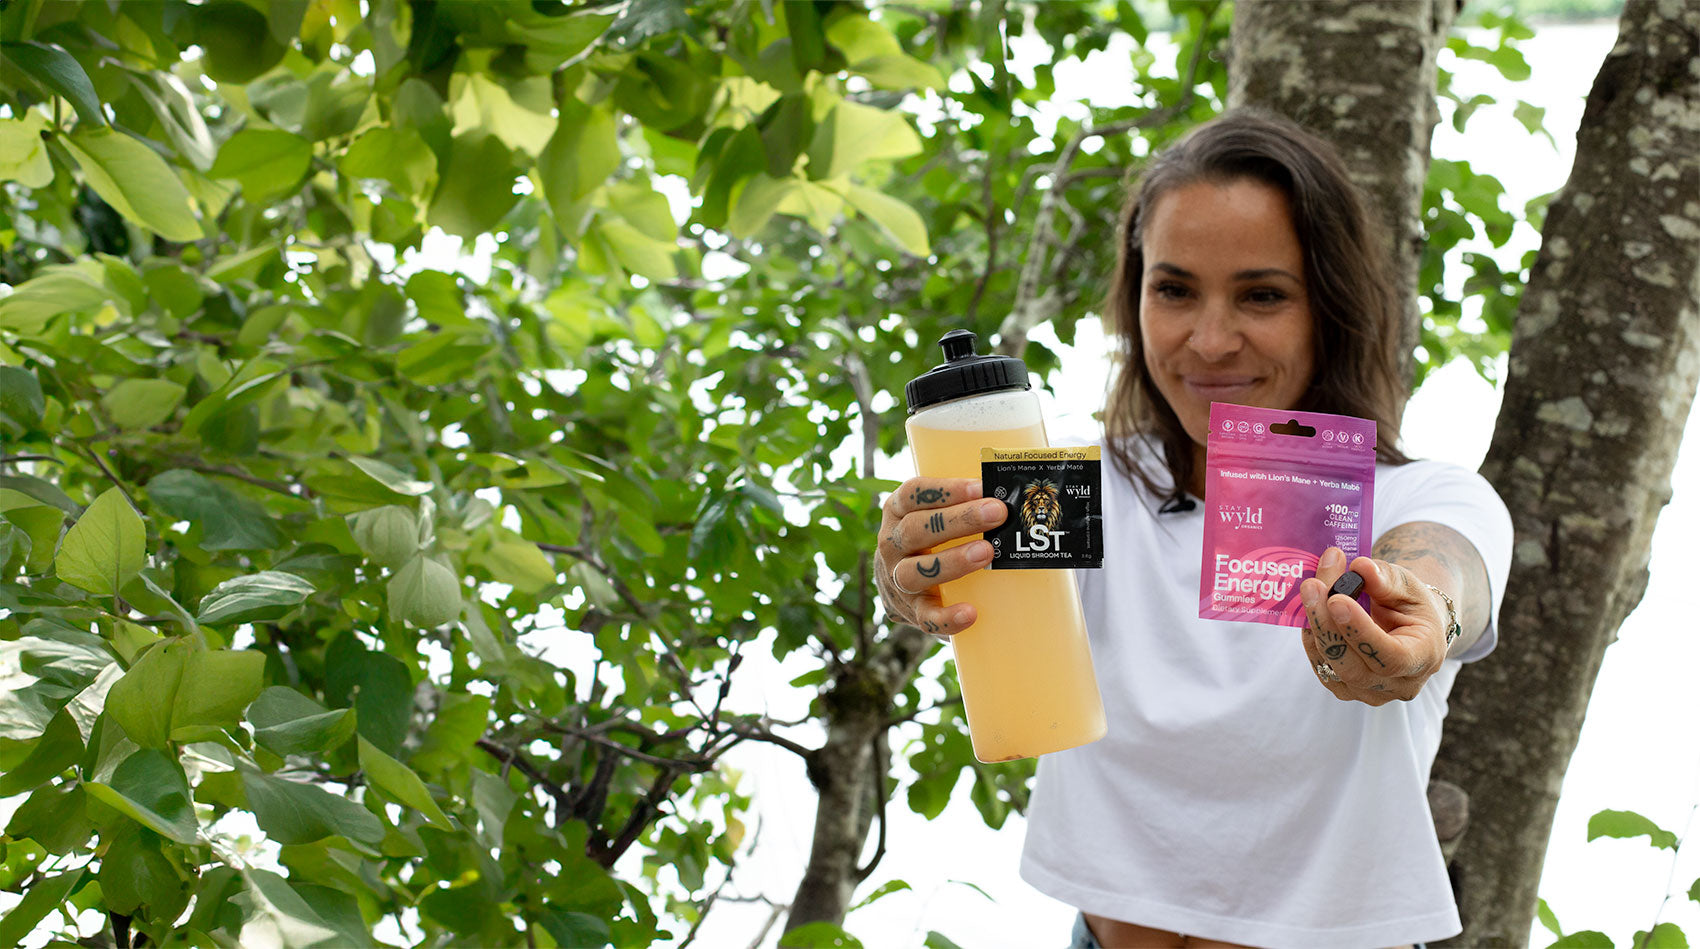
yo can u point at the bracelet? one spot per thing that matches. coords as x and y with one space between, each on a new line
1453 630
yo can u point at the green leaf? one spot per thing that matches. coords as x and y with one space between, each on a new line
23 152
216 686
56 817
390 477
228 521
106 548
43 491
150 787
1694 891
58 748
1547 918
517 113
938 940
289 723
142 403
476 189
51 292
399 156
266 162
1629 824
514 560
819 935
638 252
579 158
856 133
178 115
460 721
291 812
1585 939
899 219
135 873
578 930
141 702
47 895
425 593
885 889
135 181
1663 936
275 915
21 402
399 782
376 684
268 594
60 72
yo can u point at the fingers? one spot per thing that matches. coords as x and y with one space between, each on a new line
921 493
928 528
929 570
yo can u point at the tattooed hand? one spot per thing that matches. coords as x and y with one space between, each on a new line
928 537
1377 656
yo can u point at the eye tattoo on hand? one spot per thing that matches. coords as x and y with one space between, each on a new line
931 495
929 574
1336 644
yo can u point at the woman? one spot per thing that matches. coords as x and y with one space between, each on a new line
1234 802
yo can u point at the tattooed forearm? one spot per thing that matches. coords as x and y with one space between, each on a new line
1441 556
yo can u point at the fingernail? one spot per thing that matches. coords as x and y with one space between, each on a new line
979 552
1339 610
976 490
1307 595
1331 558
963 616
992 510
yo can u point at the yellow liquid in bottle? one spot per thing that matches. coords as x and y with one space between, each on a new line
1024 666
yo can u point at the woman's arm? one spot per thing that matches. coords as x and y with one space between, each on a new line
1389 651
1442 557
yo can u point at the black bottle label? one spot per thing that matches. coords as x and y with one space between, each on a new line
1055 499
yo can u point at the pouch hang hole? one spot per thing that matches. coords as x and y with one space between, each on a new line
1293 427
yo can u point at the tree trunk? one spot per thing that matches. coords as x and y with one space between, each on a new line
849 773
1604 362
1360 73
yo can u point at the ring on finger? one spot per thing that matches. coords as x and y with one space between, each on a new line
899 584
1326 672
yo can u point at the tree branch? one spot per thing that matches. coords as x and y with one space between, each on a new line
509 757
882 795
949 701
1031 308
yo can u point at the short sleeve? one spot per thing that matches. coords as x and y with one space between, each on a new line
1462 500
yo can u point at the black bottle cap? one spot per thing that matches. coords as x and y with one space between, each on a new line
964 373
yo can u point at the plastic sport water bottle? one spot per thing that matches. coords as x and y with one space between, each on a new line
1024 666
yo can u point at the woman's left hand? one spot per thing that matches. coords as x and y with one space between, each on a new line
1378 656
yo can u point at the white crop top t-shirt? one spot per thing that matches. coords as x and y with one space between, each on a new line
1234 798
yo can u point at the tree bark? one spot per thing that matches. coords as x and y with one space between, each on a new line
849 774
1360 73
1604 361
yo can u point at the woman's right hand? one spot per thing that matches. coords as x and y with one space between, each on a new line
920 515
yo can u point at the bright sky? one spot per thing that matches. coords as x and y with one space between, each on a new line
1636 749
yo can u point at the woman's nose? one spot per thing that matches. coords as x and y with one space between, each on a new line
1215 336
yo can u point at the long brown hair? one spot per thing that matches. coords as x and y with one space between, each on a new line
1347 276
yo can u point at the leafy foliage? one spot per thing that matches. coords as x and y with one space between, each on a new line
438 572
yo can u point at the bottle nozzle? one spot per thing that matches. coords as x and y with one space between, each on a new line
957 344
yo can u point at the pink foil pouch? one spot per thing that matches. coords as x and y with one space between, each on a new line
1280 487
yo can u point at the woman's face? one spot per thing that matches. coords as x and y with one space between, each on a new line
1223 309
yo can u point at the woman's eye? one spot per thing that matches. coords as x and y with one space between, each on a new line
1266 296
1169 291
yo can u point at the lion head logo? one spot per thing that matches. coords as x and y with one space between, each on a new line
1040 505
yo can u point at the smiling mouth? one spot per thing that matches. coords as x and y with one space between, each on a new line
1217 387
